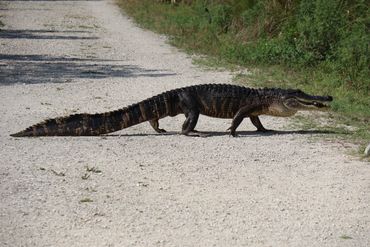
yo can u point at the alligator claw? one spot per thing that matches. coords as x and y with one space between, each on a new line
233 134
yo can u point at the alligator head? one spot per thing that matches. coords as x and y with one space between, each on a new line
290 101
298 100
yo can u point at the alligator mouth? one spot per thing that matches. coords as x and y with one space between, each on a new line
316 104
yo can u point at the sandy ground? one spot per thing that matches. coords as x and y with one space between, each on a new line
138 188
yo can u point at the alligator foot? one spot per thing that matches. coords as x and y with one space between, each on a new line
232 132
155 124
160 130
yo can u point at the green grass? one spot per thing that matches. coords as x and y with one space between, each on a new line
319 46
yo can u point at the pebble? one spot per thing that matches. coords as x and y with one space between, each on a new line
367 150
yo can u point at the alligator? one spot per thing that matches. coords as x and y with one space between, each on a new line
214 100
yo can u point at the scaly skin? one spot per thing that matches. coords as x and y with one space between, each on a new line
214 100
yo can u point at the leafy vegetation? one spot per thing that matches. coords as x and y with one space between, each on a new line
321 46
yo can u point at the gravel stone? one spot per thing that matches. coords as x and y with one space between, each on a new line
367 150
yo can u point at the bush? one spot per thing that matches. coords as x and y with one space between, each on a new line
312 33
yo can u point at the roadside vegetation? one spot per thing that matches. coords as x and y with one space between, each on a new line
320 46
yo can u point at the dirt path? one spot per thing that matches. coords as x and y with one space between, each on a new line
60 57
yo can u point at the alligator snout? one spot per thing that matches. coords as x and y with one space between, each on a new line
329 98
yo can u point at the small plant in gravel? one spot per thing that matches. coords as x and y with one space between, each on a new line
93 169
90 189
345 237
85 176
86 200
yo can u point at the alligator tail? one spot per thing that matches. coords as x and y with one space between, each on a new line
102 123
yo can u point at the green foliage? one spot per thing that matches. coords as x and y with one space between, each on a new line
312 33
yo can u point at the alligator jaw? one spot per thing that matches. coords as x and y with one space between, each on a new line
316 104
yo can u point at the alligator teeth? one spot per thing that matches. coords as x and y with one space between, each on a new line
315 103
318 104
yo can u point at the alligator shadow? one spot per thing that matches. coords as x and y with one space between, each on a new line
226 133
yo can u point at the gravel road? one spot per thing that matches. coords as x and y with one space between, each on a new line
139 188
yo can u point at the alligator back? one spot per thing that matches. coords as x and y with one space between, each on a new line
222 100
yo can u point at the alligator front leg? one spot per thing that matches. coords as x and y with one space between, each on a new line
256 122
246 111
155 124
235 123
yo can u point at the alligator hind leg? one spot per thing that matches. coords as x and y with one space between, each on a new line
235 123
155 124
190 108
256 122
